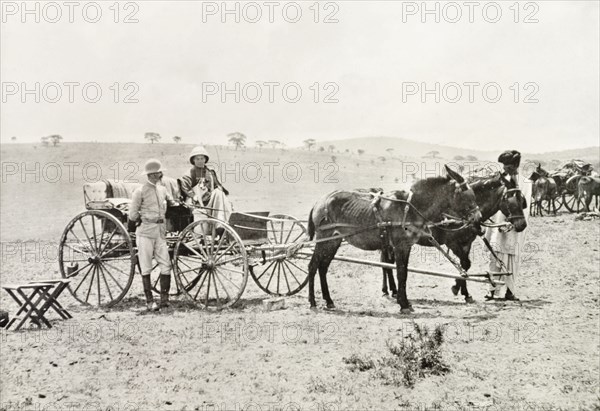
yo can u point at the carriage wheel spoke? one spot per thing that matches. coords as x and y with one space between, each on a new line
194 251
239 257
291 272
201 283
74 273
207 290
91 284
305 272
281 232
278 274
111 276
108 241
222 285
200 247
86 235
157 277
224 252
115 268
213 273
77 238
265 270
76 250
228 279
283 266
112 249
84 277
274 232
298 237
290 233
105 282
94 231
271 277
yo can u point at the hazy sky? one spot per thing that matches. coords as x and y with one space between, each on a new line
371 59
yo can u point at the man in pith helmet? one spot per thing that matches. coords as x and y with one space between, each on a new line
149 206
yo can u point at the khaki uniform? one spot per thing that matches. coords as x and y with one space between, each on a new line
149 204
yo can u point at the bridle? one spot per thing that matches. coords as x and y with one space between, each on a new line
508 192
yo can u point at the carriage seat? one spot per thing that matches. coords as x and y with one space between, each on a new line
109 194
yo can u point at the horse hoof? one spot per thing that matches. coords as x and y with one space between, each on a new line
455 290
406 310
385 294
469 300
394 295
330 306
313 308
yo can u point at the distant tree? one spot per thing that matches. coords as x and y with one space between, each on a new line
382 159
274 143
321 148
309 143
360 151
396 180
459 158
13 138
471 158
152 137
431 154
330 148
347 150
55 139
236 138
334 159
260 144
45 141
381 177
177 139
390 151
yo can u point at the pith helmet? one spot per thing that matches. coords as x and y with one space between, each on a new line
198 151
153 166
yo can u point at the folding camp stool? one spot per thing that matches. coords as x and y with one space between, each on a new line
44 293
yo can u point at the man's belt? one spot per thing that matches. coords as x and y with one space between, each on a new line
153 220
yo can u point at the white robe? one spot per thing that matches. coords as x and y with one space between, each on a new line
509 246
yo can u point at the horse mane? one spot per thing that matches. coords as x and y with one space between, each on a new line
485 182
430 185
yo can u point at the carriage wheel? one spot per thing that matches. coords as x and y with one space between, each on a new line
282 275
558 202
97 253
210 264
573 202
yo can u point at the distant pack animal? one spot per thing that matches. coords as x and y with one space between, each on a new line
589 188
544 189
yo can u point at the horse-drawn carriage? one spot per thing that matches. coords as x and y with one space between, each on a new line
211 259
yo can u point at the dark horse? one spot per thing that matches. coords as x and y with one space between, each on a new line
355 217
544 189
492 194
589 187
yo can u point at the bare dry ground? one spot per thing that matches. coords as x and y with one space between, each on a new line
540 353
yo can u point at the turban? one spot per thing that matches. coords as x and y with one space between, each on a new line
510 157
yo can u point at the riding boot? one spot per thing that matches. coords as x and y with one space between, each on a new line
165 285
150 304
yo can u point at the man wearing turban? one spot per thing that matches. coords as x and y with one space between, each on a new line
507 243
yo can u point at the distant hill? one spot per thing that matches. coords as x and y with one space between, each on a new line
406 148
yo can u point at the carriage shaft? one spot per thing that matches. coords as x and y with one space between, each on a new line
414 270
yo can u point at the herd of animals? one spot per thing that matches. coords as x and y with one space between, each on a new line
574 185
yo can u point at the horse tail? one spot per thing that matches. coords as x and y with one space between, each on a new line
311 225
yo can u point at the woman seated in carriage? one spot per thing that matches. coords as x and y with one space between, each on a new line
201 187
